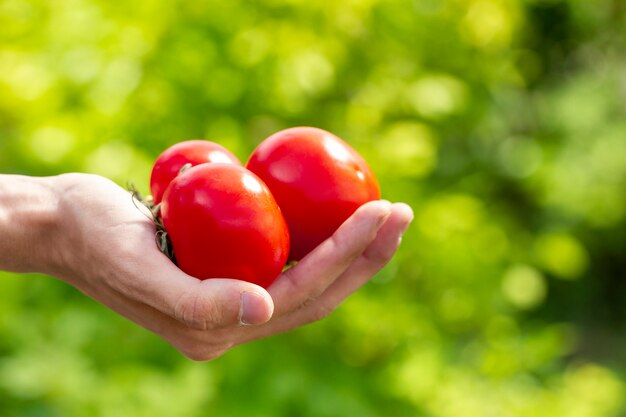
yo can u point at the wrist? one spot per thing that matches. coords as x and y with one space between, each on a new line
29 218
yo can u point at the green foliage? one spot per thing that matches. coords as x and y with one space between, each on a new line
502 123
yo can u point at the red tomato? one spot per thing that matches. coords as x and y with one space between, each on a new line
318 181
194 152
223 222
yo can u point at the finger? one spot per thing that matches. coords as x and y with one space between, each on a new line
304 282
373 258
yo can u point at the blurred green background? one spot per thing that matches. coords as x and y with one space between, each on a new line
502 123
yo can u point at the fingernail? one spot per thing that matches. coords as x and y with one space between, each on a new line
253 308
383 218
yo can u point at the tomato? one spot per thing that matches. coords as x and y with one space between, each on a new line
317 179
194 152
223 221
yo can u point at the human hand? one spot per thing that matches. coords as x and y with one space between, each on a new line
105 247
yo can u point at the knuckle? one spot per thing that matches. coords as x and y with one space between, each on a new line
337 240
344 246
306 303
378 255
196 311
312 297
320 312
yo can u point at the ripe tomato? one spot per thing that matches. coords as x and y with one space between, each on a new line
223 222
194 152
317 179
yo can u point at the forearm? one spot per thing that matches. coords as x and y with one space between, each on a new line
28 219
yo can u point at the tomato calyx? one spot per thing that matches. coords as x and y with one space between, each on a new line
162 239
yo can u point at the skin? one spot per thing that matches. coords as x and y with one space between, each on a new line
194 152
317 179
86 231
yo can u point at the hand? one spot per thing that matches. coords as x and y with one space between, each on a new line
105 247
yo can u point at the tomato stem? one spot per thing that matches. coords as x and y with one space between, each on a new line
162 239
185 168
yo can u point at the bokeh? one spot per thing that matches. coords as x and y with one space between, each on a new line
501 122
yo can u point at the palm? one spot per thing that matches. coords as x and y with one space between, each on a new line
116 261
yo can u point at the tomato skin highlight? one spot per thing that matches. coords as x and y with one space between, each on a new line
194 152
223 222
317 179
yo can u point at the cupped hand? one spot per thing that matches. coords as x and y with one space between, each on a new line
106 248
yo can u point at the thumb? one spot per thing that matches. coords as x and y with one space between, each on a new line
201 305
221 302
